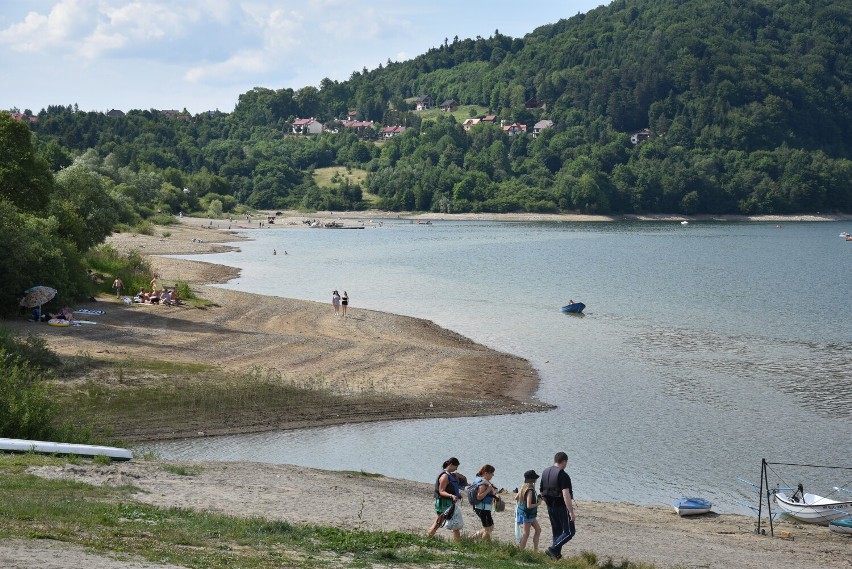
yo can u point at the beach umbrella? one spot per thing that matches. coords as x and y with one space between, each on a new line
38 295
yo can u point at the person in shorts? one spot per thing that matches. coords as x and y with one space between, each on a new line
486 496
447 494
528 502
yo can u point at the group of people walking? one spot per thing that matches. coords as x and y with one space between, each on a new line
337 301
554 490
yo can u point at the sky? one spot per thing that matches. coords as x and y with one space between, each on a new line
202 54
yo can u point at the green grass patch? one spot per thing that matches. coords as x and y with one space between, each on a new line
136 399
182 470
331 176
461 114
109 520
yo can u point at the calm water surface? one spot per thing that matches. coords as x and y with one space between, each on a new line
704 348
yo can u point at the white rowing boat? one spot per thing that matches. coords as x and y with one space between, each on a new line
46 447
813 509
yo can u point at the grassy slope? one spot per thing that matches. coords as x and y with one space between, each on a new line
108 519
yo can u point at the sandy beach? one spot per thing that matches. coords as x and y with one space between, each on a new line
415 361
353 501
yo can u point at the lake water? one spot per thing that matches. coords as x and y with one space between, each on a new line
704 348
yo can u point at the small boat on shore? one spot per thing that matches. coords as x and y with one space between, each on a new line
46 447
574 308
843 525
813 509
692 506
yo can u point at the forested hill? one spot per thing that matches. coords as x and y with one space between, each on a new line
747 106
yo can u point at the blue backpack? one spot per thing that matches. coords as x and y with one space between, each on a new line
472 490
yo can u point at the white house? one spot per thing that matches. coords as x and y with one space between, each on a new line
540 126
307 126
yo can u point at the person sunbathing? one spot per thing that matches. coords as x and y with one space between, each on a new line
63 314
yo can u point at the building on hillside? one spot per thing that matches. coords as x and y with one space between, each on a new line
307 126
391 131
24 118
424 103
115 113
489 119
540 126
364 129
640 136
449 105
515 129
470 123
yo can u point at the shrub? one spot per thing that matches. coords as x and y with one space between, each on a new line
163 219
184 291
26 406
133 269
32 350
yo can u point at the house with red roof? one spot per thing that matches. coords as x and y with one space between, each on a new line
391 131
365 129
515 129
307 126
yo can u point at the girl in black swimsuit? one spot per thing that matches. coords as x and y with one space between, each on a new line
344 300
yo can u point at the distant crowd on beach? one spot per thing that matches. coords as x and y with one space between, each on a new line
555 490
165 296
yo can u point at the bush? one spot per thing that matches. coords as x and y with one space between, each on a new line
145 228
28 402
132 268
33 350
163 219
183 290
26 406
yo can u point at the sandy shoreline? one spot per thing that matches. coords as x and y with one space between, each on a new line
400 367
292 219
411 358
352 501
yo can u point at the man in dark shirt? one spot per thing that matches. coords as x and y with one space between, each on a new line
558 494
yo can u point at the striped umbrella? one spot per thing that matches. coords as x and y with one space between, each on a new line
38 295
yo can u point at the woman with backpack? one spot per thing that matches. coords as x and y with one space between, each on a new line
447 496
483 494
527 510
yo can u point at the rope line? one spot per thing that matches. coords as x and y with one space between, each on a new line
810 465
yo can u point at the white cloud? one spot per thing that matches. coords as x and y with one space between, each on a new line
38 32
245 63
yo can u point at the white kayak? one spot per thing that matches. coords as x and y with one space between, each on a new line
46 447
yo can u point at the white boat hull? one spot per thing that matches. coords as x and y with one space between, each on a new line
814 509
46 447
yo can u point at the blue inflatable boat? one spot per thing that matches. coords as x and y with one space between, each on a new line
575 308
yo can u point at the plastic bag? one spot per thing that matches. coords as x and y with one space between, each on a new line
519 524
499 505
455 521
